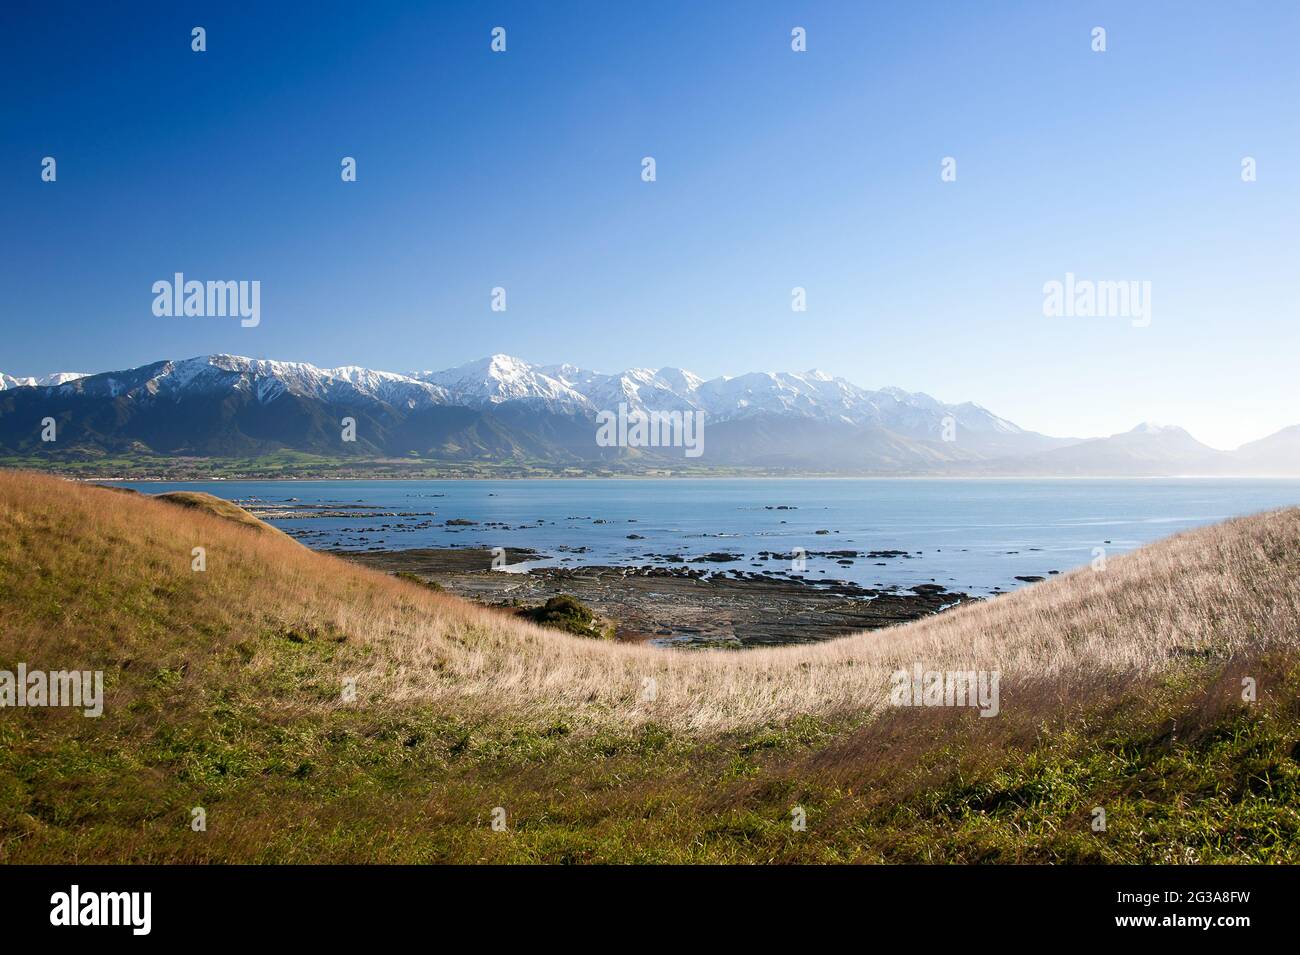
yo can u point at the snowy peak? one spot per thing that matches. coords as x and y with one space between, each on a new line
812 394
262 379
1168 436
1150 427
680 380
45 381
266 380
501 378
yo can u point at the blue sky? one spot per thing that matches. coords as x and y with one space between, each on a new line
775 169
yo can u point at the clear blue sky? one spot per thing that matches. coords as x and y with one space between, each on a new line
775 170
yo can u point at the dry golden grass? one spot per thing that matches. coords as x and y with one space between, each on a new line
1232 589
211 504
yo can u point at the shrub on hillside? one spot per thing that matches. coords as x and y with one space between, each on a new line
570 614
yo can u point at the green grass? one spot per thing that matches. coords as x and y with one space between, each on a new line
415 786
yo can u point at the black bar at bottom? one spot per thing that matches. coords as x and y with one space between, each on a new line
335 904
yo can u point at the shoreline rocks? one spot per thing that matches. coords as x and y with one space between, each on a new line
677 605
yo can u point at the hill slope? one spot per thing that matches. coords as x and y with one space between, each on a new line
224 691
211 504
1146 449
1278 453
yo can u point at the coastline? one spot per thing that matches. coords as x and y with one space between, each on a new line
716 568
702 606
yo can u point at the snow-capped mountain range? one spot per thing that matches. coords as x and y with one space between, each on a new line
556 389
504 408
811 394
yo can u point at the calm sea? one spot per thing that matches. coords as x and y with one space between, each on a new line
975 536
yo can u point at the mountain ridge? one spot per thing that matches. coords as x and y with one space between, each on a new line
502 407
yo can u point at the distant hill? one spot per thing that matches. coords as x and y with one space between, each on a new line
1276 454
1145 450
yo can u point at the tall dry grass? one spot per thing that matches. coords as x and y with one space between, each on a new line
1229 589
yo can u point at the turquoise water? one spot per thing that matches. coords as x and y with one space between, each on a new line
969 535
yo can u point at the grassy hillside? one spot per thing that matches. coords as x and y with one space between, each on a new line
210 504
1120 689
